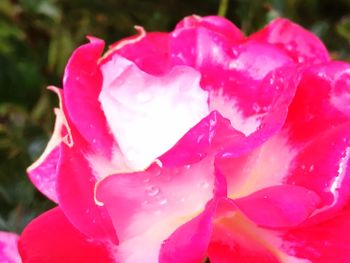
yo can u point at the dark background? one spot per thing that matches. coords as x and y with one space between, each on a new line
38 36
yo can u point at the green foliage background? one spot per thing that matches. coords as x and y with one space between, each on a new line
38 36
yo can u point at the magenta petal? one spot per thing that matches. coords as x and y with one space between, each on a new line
51 238
280 206
260 110
322 100
75 188
82 85
147 207
8 248
43 172
216 24
236 239
323 166
199 47
210 135
43 175
299 43
189 243
149 53
322 243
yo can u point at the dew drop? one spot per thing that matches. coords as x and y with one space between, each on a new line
301 59
162 201
152 190
158 162
188 166
289 47
311 168
256 108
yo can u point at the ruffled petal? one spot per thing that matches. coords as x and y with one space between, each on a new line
324 167
217 24
321 243
43 172
281 206
141 108
210 136
258 108
51 238
147 207
82 85
312 148
189 243
149 51
257 168
257 80
237 239
299 43
8 248
75 188
322 101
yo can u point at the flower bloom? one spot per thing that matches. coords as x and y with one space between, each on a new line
201 142
8 248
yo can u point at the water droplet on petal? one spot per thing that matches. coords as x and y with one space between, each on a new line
152 190
311 168
162 201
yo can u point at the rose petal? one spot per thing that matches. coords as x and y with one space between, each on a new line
190 241
299 43
82 85
51 238
321 166
75 188
324 167
147 207
282 206
257 81
256 169
149 52
322 100
236 239
8 248
43 172
216 24
209 136
324 242
141 108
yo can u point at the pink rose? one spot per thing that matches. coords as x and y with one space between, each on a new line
8 248
172 147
